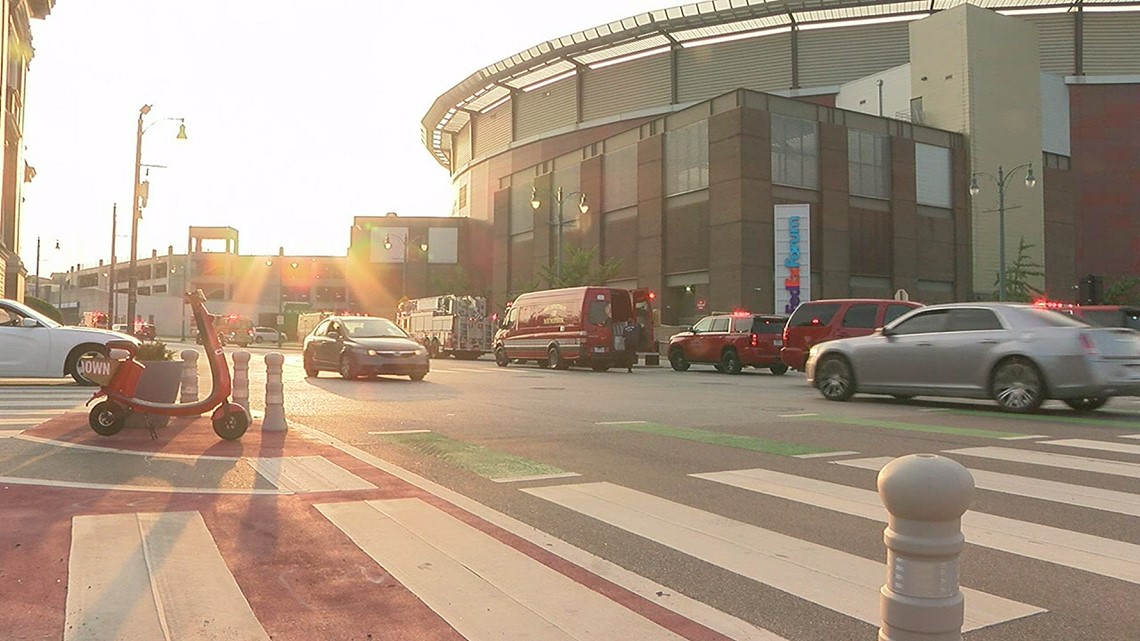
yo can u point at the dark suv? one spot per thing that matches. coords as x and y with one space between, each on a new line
730 342
819 321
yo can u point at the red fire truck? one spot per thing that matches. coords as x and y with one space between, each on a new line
452 325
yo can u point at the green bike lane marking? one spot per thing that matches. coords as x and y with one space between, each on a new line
921 427
767 446
1050 418
491 464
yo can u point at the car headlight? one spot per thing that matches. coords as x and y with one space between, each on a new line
372 352
420 351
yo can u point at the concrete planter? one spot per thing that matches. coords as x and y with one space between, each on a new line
160 383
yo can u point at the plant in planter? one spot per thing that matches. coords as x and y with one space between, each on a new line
159 383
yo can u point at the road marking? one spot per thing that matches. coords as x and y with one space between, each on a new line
479 585
935 409
28 421
151 576
621 423
825 454
308 474
917 427
29 405
664 597
830 578
537 477
1103 446
797 415
1051 417
1024 437
159 489
1086 552
488 463
1079 495
1136 436
401 432
1049 459
709 437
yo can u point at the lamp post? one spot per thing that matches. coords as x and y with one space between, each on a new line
559 198
280 292
37 286
406 242
1000 180
141 191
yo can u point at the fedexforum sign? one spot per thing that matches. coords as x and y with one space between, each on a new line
793 257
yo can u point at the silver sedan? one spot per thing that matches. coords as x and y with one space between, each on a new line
1018 355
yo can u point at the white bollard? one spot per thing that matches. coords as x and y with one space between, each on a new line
241 379
926 496
274 419
189 375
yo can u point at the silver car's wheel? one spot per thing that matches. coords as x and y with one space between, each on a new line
1087 403
834 378
72 366
1017 386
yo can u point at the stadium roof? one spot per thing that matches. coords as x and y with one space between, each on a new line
688 25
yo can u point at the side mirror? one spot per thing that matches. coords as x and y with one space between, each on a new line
885 332
690 329
335 335
29 322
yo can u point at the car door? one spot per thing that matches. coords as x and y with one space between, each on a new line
903 357
964 349
23 350
713 342
859 319
318 343
696 346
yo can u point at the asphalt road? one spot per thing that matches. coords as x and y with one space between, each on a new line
606 462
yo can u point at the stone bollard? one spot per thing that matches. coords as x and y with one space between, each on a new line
241 379
926 496
189 375
274 419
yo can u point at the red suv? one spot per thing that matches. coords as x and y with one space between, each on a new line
730 342
819 321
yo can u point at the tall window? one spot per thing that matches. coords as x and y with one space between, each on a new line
795 152
868 161
687 158
932 175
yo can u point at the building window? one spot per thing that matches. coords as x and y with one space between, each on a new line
932 175
1056 161
462 196
795 152
687 158
868 162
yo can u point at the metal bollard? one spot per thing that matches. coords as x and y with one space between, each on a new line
241 379
274 419
189 375
926 496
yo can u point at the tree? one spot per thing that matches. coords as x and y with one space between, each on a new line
44 307
1125 291
1019 274
579 267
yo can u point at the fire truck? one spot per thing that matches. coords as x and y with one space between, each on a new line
232 329
448 325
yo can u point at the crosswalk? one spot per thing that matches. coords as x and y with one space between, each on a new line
486 587
23 407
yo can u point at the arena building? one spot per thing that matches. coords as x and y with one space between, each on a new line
741 154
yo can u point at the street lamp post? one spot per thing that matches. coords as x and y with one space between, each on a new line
280 292
559 198
1000 180
141 191
406 242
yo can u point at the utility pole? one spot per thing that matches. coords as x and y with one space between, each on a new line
111 274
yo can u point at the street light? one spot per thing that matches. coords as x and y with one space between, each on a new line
559 198
1000 180
37 287
141 191
406 242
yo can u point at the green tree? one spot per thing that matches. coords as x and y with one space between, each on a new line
1125 291
579 267
1018 276
44 307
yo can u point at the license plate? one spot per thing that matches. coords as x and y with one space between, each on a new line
599 349
778 343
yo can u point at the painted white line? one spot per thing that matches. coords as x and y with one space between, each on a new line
935 409
23 402
9 433
651 591
1049 459
621 423
479 585
468 369
538 477
20 421
117 450
401 432
824 454
1023 437
1079 495
151 576
1137 436
158 489
37 413
797 415
308 474
1094 554
832 579
1103 446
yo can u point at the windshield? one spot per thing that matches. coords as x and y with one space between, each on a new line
31 313
372 328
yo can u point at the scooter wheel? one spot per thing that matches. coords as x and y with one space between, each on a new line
231 425
107 418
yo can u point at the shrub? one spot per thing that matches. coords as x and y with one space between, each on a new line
154 351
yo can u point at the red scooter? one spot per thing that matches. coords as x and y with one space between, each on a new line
109 416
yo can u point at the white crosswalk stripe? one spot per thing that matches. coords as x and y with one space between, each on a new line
26 406
1049 459
836 580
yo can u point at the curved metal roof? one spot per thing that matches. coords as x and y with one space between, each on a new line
686 25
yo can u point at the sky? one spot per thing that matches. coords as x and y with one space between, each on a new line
299 115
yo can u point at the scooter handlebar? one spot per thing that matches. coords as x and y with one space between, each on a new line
128 346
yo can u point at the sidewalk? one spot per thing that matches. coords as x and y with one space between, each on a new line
287 536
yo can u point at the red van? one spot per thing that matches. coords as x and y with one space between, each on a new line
579 326
819 321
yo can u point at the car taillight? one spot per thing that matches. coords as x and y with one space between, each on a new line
785 335
1087 344
755 341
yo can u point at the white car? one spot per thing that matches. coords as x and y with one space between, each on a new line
266 335
33 345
